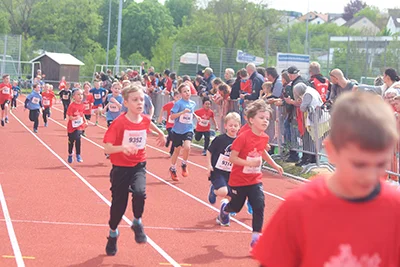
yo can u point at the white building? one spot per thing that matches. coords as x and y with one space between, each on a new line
393 24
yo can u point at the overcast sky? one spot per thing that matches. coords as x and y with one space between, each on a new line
326 6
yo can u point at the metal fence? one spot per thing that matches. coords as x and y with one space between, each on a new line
10 54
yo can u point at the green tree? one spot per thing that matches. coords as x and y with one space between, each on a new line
371 12
162 52
180 9
4 25
143 23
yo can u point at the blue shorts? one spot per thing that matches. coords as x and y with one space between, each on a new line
219 180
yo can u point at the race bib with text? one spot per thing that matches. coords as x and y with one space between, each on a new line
135 137
223 163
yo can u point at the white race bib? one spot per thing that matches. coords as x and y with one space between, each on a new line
87 106
113 108
35 100
170 120
186 118
247 169
97 96
78 122
135 137
65 97
204 123
223 163
46 102
6 91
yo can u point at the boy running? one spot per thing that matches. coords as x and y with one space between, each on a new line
352 217
114 103
247 152
65 96
99 95
16 92
5 96
48 97
182 131
88 101
33 102
203 126
125 142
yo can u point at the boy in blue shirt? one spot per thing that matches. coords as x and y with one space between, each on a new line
16 92
115 103
99 97
33 102
182 132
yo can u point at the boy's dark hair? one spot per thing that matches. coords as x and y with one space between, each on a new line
34 85
167 72
186 78
272 71
172 75
243 73
5 76
182 86
199 79
205 99
261 70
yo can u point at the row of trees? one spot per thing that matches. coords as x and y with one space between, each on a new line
150 29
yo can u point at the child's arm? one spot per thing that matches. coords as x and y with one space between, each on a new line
127 150
234 158
26 103
215 123
209 167
104 110
271 162
173 116
160 137
160 116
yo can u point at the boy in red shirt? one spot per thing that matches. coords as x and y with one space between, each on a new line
169 122
48 97
5 96
247 152
76 124
125 142
88 101
203 125
351 218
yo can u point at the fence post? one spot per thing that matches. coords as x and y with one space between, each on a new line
348 53
19 55
220 62
329 55
278 129
316 139
385 54
366 58
197 59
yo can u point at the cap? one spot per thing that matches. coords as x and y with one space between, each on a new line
293 70
208 69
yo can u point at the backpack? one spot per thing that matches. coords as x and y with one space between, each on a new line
321 86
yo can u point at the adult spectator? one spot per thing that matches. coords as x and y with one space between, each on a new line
261 70
319 82
340 84
200 85
229 76
209 77
235 88
277 87
257 81
391 82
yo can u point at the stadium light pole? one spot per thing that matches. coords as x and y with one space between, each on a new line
119 36
108 31
306 43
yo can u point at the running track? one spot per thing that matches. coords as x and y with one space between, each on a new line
56 214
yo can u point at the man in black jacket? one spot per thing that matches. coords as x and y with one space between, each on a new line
257 81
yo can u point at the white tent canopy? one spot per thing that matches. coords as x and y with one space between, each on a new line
194 58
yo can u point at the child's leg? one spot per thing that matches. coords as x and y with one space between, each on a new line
198 136
120 179
71 141
45 112
138 188
238 197
177 144
78 142
3 106
65 105
257 201
36 113
186 149
206 140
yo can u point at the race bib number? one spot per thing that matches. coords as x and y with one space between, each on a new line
65 97
223 163
171 120
97 96
87 106
46 102
248 169
135 137
35 100
6 91
113 108
78 122
186 118
204 123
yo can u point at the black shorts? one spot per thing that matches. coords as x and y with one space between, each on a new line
75 135
220 179
88 117
178 139
3 105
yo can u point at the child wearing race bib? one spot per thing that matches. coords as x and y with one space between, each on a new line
203 125
125 142
65 96
99 97
76 124
48 97
33 102
5 96
87 101
218 153
247 152
114 103
182 132
16 92
169 122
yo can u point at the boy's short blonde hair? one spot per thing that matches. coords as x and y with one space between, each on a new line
362 120
256 106
232 116
129 90
267 85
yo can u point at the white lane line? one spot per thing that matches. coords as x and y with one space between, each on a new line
11 232
149 240
162 151
127 226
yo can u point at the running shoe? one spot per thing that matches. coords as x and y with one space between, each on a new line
185 172
140 236
111 247
212 197
173 174
223 218
79 158
70 159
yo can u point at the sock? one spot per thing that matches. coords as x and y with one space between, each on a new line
184 162
137 221
114 233
255 236
173 167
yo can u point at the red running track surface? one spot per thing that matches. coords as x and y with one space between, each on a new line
60 213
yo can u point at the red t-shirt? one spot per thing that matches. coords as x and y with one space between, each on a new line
246 86
62 85
123 131
244 128
76 110
88 103
48 99
250 146
5 92
167 107
168 84
313 227
206 115
192 88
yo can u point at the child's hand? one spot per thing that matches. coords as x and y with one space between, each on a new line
279 169
187 110
130 150
255 163
268 147
161 140
209 170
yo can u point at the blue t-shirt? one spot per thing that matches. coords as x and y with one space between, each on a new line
184 123
34 101
98 95
147 104
16 90
113 110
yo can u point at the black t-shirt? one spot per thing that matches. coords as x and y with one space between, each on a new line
64 94
235 91
220 145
